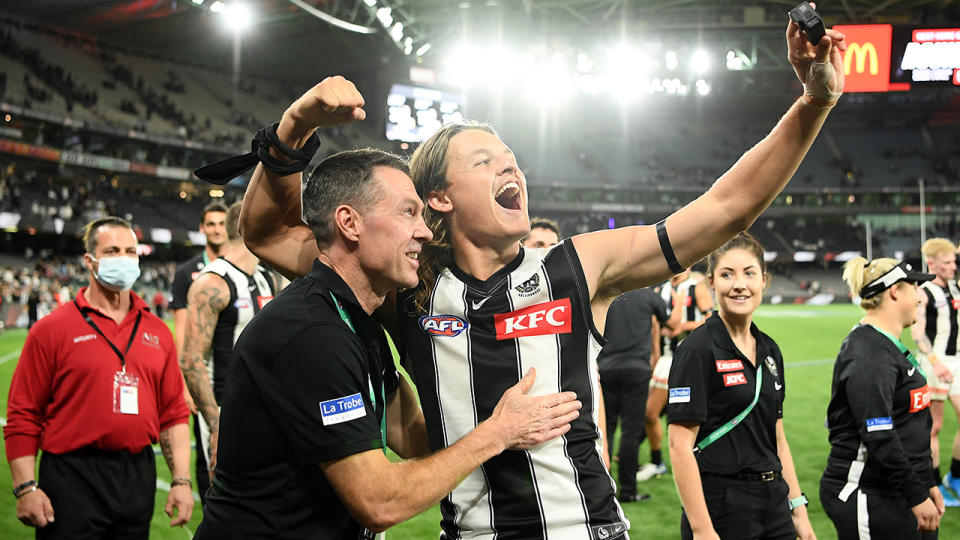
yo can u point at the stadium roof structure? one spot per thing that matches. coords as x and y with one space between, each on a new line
300 40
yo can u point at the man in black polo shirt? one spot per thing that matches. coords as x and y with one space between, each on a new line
314 398
624 365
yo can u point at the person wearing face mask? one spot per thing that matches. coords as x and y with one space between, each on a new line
97 383
879 481
731 460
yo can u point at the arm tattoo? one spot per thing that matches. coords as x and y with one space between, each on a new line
167 448
205 301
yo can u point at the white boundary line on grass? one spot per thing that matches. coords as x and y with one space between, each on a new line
10 356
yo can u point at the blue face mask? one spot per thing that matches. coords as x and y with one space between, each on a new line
118 273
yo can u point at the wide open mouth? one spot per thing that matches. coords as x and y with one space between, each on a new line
509 196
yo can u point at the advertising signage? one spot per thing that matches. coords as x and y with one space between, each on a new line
882 57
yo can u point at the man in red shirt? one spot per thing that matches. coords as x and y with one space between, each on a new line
96 385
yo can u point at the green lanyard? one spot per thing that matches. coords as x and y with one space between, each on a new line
373 395
903 348
724 429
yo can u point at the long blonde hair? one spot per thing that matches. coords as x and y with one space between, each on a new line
428 169
858 272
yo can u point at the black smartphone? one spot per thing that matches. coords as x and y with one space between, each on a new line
809 21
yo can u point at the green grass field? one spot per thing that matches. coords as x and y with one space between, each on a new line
809 338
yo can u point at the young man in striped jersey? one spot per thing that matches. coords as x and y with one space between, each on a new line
937 336
228 292
486 309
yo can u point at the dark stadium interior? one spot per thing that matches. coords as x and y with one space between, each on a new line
109 105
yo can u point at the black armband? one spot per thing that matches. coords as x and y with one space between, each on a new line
667 249
224 171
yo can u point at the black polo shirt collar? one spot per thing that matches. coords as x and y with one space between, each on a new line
332 281
723 341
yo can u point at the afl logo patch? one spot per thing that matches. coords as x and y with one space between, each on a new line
242 303
442 325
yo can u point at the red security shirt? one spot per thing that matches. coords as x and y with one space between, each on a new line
61 397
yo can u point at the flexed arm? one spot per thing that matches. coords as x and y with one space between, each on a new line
271 220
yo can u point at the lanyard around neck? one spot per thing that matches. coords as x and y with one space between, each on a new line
724 429
373 395
903 349
133 334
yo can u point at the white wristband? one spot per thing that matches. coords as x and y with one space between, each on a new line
819 77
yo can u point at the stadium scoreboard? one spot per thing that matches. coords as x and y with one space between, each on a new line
884 57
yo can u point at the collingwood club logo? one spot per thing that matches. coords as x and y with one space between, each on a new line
529 287
772 366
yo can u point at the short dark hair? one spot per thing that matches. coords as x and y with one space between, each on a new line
90 230
233 221
343 178
215 206
544 223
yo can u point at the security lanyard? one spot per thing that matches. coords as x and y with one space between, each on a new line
373 396
724 429
133 334
903 348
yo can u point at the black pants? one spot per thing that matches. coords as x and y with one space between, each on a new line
203 474
746 510
99 495
884 517
625 397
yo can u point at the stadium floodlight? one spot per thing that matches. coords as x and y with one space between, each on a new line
385 17
396 32
197 2
370 3
237 16
217 7
700 62
625 69
424 49
703 87
549 83
671 61
408 45
584 64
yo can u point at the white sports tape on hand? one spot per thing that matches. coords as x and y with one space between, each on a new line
819 77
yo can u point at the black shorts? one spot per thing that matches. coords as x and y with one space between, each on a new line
874 516
97 494
746 509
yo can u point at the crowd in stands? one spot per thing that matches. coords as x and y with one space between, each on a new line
53 75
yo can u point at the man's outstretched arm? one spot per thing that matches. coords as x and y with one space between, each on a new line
271 219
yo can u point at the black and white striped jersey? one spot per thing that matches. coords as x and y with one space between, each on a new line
477 340
687 289
943 317
248 293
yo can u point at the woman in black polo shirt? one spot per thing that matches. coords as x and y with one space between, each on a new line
730 456
879 482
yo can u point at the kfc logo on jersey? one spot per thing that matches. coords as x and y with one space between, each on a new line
539 320
687 301
729 365
919 399
733 379
263 300
956 303
442 325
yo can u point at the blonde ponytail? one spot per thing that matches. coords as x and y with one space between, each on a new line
858 272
